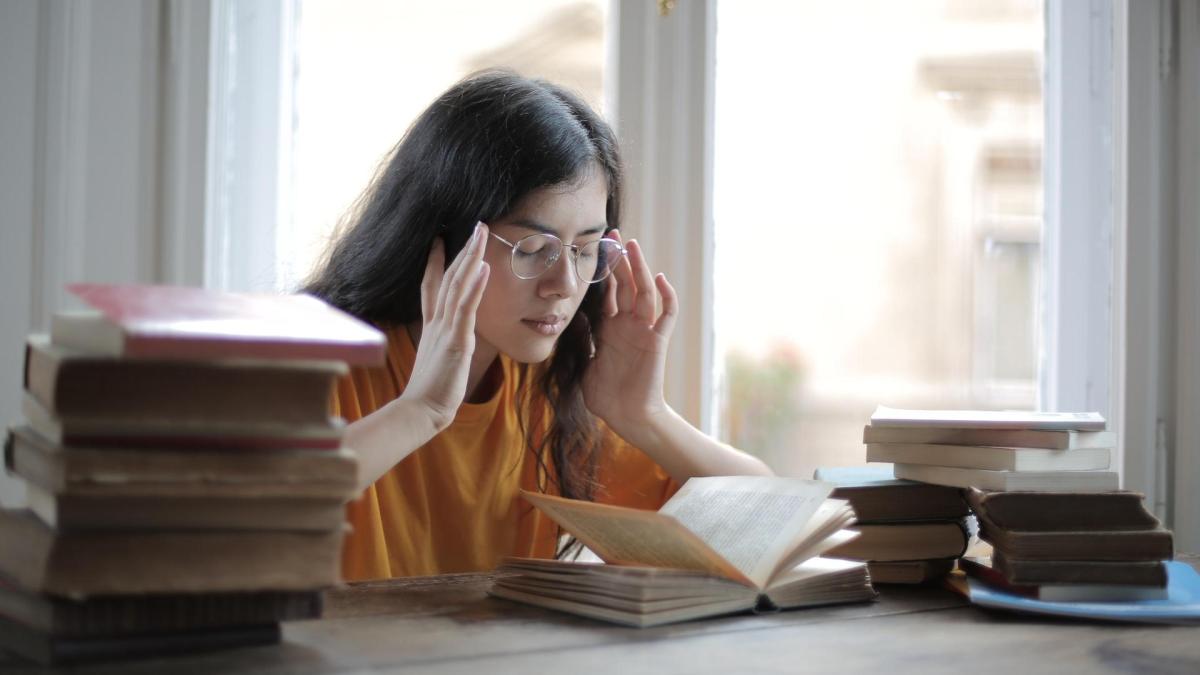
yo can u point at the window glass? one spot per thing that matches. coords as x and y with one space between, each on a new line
877 204
364 69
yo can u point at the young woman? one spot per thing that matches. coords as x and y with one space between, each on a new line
534 360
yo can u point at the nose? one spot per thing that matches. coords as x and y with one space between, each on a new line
560 280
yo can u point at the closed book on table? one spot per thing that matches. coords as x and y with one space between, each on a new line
878 497
174 512
1049 481
109 615
50 649
1117 545
909 571
1010 438
84 563
118 472
988 419
166 433
75 384
1136 573
991 458
1063 511
982 569
176 322
904 541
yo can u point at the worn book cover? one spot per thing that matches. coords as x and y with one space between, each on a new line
1063 511
177 322
83 563
72 384
888 542
878 497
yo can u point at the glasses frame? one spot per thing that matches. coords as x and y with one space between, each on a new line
574 248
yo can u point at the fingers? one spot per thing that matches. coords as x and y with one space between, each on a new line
610 284
670 306
462 272
463 324
644 300
626 291
432 281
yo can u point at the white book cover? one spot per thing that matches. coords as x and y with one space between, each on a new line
990 458
1031 481
988 419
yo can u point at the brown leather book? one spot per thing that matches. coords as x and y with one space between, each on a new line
1063 511
132 473
1096 545
1033 572
878 497
77 385
886 542
84 563
909 571
110 615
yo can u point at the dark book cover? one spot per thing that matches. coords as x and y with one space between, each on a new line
1063 511
48 649
878 497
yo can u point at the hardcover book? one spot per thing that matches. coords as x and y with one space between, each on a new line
195 432
1182 604
1063 511
84 563
904 541
78 385
983 570
115 472
990 458
1034 572
176 322
1047 481
988 419
1010 438
878 497
112 615
720 545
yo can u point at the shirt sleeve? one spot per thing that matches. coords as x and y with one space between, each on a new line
628 477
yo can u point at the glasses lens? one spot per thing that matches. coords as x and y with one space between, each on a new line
597 260
535 254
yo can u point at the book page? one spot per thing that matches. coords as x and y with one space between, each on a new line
634 537
988 419
753 522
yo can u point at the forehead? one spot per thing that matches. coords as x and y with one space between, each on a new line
568 208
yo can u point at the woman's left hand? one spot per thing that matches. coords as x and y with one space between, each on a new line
624 383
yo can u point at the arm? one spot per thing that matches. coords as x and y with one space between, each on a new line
624 383
438 384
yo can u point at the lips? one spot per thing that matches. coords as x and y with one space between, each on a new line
550 324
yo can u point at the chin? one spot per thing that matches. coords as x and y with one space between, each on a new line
530 353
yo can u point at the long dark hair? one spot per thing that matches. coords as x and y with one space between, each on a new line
472 155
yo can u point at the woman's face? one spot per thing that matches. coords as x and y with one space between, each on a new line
524 317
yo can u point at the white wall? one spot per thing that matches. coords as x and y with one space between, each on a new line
101 157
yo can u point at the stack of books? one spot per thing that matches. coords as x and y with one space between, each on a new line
185 481
1066 546
993 450
910 532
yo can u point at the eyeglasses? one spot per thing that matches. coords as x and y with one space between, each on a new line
536 253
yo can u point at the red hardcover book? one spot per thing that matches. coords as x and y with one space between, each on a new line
177 322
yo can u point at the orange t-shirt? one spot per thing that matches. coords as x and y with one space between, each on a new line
454 504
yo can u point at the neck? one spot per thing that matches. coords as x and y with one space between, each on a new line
480 386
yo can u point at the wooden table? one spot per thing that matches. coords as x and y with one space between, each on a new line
447 624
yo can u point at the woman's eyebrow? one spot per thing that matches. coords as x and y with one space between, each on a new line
534 225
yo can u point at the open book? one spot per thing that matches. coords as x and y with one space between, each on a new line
720 545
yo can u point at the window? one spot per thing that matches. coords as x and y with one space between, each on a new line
877 208
365 69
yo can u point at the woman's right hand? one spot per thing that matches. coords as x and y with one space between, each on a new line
449 301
